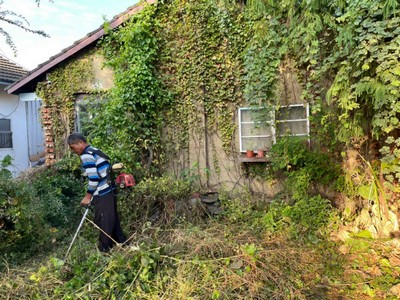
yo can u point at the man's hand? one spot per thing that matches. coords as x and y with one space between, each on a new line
86 200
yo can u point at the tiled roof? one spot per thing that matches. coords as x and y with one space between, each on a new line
10 72
30 80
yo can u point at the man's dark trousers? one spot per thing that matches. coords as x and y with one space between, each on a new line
106 217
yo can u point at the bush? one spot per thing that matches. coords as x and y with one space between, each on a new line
303 168
36 210
59 195
156 199
307 219
308 216
20 220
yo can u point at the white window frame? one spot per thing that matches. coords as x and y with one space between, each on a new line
307 119
6 133
241 136
273 122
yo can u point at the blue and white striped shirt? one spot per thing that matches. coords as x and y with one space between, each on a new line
96 168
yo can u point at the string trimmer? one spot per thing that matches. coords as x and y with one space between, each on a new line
77 231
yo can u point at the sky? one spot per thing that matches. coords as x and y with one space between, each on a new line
66 21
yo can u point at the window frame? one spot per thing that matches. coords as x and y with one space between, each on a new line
84 100
241 136
307 119
9 143
273 123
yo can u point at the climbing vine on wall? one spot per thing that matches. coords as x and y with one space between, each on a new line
367 85
347 53
184 67
201 63
58 93
129 124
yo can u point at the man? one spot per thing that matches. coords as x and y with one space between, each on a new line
99 192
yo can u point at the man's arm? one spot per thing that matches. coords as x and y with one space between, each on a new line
89 164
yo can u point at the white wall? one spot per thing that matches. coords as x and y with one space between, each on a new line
15 110
36 149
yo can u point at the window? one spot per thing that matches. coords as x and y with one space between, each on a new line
287 120
5 133
84 106
292 120
255 135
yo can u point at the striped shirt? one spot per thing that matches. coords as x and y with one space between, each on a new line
96 168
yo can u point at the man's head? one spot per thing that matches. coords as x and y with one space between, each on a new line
77 143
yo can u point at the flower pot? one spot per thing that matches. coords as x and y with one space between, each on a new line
260 153
249 153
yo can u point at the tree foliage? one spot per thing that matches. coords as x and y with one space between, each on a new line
18 20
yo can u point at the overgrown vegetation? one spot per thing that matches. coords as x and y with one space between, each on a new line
172 257
133 114
36 211
252 250
182 68
58 93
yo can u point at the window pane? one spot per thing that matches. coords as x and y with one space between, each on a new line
256 143
5 125
5 140
292 113
252 130
84 109
294 127
246 115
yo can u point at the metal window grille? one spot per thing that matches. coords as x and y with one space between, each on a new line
5 133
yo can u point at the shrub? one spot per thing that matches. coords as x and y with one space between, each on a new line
307 219
308 216
36 210
302 167
156 199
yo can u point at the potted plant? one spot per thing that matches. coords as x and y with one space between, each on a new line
250 150
249 153
260 153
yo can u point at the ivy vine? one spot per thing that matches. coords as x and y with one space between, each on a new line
201 64
183 67
58 93
129 125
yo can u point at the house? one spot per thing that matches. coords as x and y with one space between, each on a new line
21 136
103 79
205 151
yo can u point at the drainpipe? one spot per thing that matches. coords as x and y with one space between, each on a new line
207 155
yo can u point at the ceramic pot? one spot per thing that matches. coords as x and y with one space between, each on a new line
249 153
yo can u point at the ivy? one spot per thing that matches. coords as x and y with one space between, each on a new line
261 61
366 88
129 125
58 94
201 64
346 55
183 67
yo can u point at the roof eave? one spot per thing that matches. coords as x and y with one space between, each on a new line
70 51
